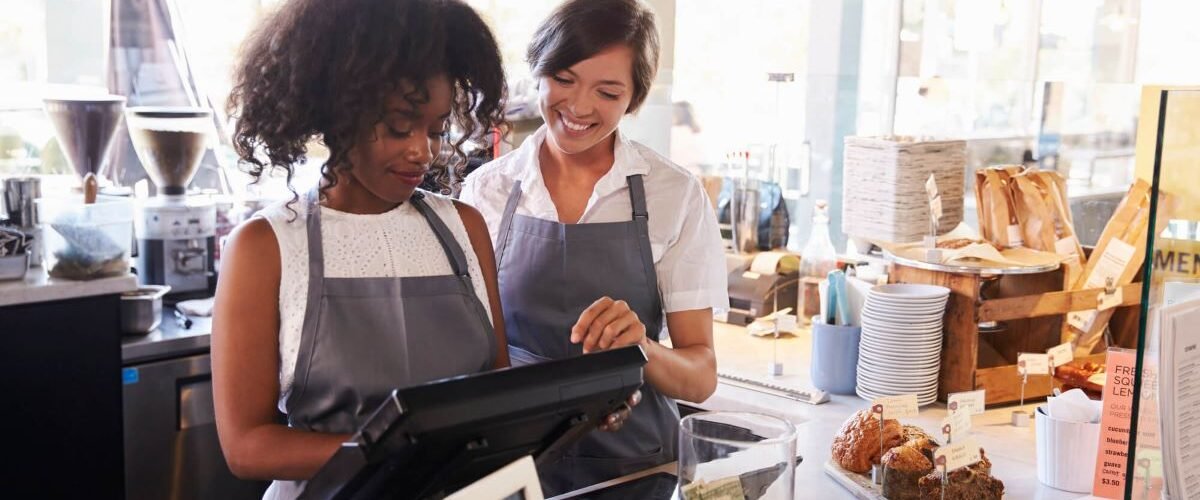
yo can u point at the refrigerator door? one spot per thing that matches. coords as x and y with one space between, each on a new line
171 446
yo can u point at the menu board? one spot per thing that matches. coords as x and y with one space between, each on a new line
1117 408
1179 396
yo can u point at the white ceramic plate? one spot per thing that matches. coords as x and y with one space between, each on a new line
903 340
901 351
885 299
922 399
913 291
902 343
897 373
900 327
892 390
889 370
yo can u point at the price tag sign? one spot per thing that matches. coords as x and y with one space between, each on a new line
786 322
1015 237
956 427
1066 246
896 407
1108 301
957 455
1061 354
931 186
971 402
1033 364
935 207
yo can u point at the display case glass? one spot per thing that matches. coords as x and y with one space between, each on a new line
1163 445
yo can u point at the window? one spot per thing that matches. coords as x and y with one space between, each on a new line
723 54
965 68
513 23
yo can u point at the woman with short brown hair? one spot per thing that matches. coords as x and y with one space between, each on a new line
598 237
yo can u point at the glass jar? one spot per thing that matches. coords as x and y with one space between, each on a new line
736 454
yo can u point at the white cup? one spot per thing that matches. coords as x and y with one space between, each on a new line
1066 452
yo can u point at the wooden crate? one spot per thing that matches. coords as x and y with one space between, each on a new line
1032 306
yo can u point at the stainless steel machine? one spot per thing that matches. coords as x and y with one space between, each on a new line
176 232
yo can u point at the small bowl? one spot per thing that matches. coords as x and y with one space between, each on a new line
14 267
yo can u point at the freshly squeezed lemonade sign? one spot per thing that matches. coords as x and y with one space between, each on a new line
1112 459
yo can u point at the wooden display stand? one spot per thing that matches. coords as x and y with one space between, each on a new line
1031 307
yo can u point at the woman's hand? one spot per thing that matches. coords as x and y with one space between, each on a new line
614 421
606 324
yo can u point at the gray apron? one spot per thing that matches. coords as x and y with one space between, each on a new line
549 273
363 337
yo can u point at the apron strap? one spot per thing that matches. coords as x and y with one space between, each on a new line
316 252
510 208
641 218
454 251
637 196
316 289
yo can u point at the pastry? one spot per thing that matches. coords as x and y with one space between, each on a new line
856 446
904 466
974 482
1088 376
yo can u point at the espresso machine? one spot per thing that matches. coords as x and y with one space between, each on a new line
176 233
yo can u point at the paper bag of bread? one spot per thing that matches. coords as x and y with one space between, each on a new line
1114 263
1045 216
998 223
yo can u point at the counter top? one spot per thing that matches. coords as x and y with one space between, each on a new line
39 287
1012 450
170 340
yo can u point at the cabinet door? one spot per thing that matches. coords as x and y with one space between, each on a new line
171 445
60 369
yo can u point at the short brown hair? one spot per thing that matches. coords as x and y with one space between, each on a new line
579 29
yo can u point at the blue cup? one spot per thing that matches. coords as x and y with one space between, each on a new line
835 357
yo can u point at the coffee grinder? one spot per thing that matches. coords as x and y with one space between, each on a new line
176 233
85 125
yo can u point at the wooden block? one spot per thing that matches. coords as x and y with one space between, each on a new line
1051 303
1003 385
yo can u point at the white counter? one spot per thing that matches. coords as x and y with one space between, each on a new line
1011 449
39 287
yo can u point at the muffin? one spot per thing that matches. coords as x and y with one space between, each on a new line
904 466
968 483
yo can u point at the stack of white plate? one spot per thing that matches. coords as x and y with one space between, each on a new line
901 347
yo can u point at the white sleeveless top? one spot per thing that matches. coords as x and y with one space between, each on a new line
394 244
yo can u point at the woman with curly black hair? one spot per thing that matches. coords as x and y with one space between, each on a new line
332 299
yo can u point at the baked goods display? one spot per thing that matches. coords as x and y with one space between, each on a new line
974 482
856 446
907 462
1088 376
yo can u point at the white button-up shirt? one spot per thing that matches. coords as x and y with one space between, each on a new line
686 242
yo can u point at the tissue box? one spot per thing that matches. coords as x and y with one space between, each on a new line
1066 452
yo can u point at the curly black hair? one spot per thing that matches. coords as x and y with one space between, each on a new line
322 68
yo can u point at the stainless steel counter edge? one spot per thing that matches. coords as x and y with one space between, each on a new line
38 287
168 341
